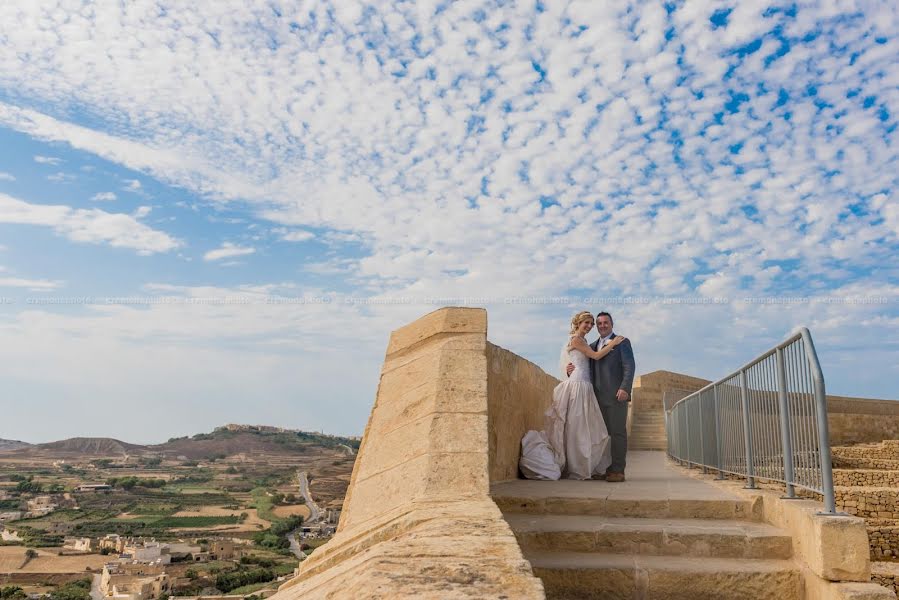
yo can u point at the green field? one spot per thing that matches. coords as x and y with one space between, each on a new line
172 522
263 505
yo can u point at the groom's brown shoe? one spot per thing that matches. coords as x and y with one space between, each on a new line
614 477
598 476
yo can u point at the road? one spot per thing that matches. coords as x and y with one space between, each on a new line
314 514
314 511
295 545
96 594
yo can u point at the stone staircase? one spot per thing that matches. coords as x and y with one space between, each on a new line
647 431
650 537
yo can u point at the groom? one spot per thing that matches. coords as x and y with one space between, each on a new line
613 377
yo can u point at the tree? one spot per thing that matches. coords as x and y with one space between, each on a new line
76 590
12 592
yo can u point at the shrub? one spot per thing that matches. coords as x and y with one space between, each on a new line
235 579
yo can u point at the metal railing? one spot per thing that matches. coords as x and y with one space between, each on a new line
767 420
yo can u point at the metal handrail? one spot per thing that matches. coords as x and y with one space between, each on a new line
766 420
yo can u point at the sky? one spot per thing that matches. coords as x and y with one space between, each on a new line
217 211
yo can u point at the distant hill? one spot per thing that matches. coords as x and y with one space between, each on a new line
249 439
222 442
92 446
12 445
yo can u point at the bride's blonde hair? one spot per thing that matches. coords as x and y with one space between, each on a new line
576 320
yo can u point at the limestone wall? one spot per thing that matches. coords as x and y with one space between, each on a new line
518 394
861 420
880 503
649 389
866 477
883 537
418 520
885 450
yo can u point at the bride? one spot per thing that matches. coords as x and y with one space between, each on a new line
574 427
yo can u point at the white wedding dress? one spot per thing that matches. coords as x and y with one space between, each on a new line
573 426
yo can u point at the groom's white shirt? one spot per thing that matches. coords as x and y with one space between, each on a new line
604 340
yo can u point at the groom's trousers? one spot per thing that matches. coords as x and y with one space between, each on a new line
615 416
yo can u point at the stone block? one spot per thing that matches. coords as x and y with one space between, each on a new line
444 320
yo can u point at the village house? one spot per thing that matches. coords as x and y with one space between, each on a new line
180 551
93 487
83 544
224 550
41 505
113 542
143 551
123 581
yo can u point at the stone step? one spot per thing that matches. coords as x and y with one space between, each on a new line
620 504
671 537
589 575
648 447
655 431
648 419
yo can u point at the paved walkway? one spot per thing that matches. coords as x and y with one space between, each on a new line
649 477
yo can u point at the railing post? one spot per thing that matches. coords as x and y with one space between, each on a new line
701 436
718 448
687 443
785 423
823 429
747 433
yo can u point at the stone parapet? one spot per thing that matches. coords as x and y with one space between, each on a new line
518 393
417 520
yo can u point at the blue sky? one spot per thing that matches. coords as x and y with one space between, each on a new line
252 195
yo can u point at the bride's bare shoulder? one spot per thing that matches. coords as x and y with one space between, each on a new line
574 339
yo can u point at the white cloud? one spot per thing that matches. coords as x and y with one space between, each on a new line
6 177
142 211
299 235
92 226
61 177
104 197
227 250
36 285
526 155
133 185
47 160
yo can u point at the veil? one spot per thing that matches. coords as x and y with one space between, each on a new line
564 359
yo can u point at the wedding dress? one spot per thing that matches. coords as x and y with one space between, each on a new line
573 427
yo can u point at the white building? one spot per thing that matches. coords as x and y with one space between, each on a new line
84 544
147 552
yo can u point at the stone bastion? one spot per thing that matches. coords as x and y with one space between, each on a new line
451 408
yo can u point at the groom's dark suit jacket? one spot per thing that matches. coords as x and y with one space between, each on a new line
613 372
